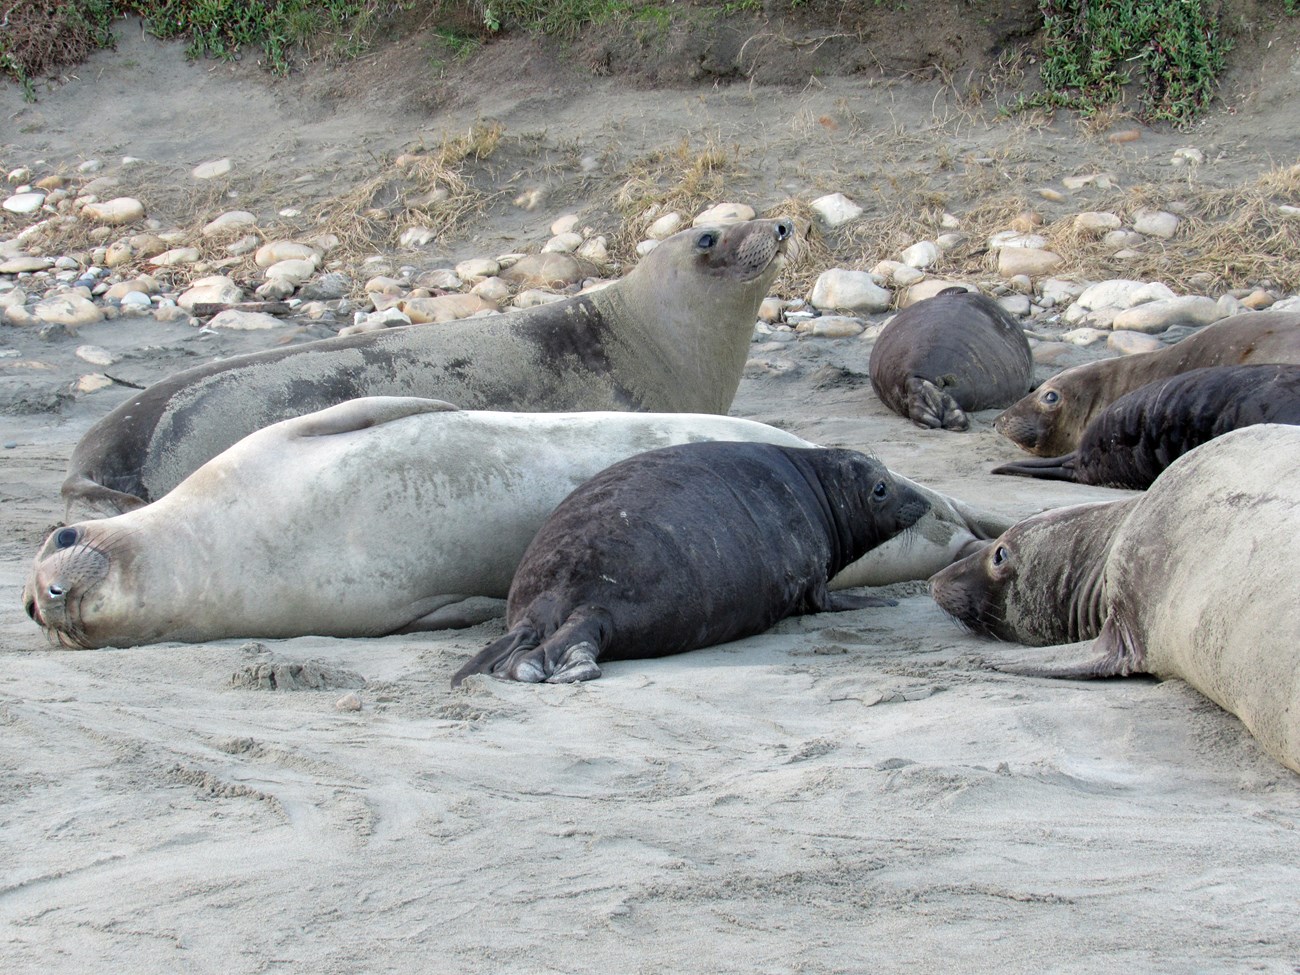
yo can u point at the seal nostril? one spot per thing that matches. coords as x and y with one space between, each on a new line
56 592
30 606
784 229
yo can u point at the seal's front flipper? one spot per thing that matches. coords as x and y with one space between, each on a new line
1115 653
459 615
79 489
1048 468
929 406
839 602
359 414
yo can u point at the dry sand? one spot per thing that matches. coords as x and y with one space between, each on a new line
849 793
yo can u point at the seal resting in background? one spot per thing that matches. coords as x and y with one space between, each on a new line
375 516
1051 420
671 336
687 547
945 355
1131 441
1199 583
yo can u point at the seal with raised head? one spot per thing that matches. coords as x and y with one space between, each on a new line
380 515
1131 441
1200 584
671 336
1051 420
949 354
687 547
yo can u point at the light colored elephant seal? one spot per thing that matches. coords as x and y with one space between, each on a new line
1199 583
671 336
376 516
1051 420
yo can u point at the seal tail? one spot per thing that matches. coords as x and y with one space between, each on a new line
1061 468
522 637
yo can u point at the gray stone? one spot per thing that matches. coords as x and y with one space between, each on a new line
851 291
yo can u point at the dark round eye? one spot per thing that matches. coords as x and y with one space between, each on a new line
1000 555
706 240
880 491
66 537
1051 397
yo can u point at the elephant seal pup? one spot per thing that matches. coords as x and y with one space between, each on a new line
379 515
1131 441
1039 582
954 352
1051 420
1200 584
672 336
690 546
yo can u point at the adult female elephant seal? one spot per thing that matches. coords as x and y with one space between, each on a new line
1199 583
379 515
1051 420
672 336
954 352
687 547
1131 441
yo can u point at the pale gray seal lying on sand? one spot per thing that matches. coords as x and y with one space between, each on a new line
954 352
1050 421
1131 441
1197 581
375 516
671 336
687 547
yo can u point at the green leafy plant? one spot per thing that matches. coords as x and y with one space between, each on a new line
1174 48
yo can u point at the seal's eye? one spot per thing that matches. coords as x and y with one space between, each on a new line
66 537
706 240
880 491
1051 397
1000 555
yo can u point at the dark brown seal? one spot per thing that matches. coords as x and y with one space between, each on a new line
1130 442
687 547
672 336
1050 421
955 352
1199 583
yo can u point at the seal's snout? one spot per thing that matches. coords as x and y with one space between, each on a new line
29 604
784 229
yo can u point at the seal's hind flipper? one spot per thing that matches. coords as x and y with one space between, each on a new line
929 406
359 414
1048 468
522 638
567 655
1115 653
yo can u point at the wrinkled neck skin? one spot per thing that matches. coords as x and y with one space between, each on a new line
698 346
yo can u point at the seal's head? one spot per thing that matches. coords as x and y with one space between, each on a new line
1040 581
1050 420
747 254
72 591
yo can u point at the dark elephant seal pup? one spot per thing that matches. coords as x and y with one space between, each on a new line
672 336
955 352
1131 441
1051 420
379 515
687 547
1199 583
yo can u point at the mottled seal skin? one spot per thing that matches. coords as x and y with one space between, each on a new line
954 352
688 547
1200 584
1051 420
1130 442
672 336
1038 582
375 516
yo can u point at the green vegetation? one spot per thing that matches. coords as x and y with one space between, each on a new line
1175 48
